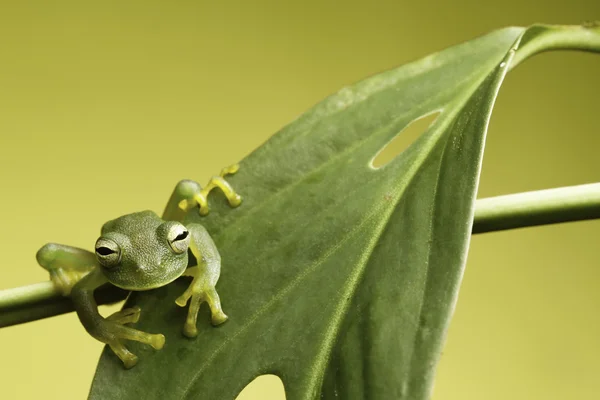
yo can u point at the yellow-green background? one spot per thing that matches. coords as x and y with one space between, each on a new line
105 105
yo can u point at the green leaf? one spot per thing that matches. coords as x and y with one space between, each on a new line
338 277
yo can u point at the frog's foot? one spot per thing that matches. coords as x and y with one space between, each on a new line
129 359
198 296
119 332
64 279
200 198
67 265
126 316
232 169
233 198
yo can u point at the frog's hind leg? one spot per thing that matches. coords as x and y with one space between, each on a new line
66 264
214 302
205 276
219 182
127 316
198 293
111 330
189 194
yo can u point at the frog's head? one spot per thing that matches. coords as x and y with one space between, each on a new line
140 251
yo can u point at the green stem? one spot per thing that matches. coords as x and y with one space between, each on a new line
541 38
41 300
575 203
27 295
543 207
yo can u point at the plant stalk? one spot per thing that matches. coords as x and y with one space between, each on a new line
43 300
543 207
542 38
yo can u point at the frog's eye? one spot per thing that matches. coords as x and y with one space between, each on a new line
108 252
179 238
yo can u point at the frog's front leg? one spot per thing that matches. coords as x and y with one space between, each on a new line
66 264
205 276
110 330
189 194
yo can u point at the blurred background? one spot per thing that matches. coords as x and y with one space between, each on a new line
106 105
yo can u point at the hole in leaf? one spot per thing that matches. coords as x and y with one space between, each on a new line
263 387
404 139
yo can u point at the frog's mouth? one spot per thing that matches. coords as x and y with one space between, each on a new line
147 281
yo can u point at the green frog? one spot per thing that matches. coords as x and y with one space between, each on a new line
142 251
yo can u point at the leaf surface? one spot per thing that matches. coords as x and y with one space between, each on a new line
338 277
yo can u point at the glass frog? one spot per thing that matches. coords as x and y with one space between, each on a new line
143 251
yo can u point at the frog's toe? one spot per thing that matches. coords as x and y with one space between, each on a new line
235 200
232 169
190 330
157 341
134 310
218 318
128 358
121 332
133 313
130 362
126 315
203 210
182 300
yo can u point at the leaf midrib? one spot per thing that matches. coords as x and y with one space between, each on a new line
454 108
332 333
310 173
